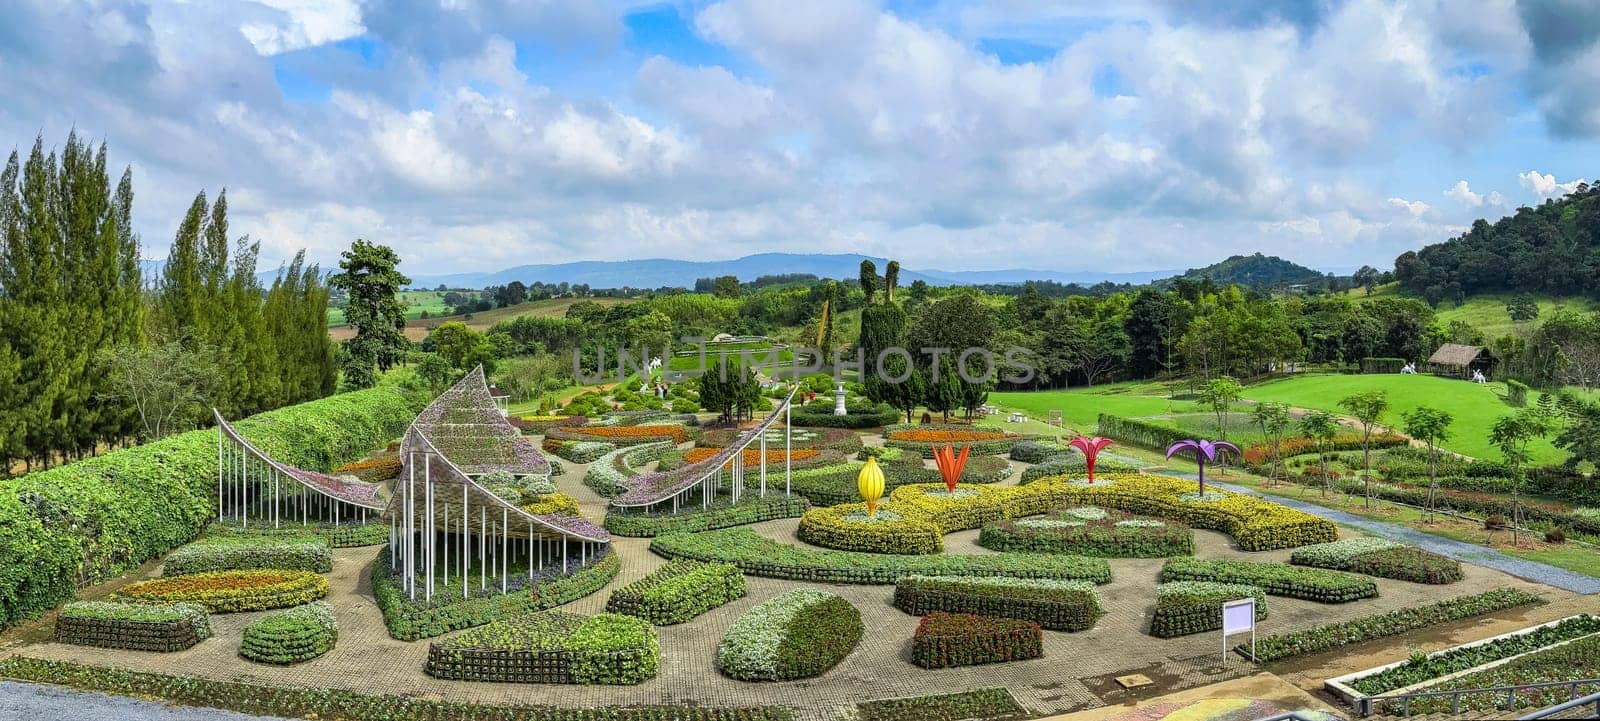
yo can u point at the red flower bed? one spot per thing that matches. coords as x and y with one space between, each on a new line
943 640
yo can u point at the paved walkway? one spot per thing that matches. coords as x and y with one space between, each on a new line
36 702
1448 547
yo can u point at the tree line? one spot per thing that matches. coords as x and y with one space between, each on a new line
93 354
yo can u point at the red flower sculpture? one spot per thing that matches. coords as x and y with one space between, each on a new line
950 465
1091 450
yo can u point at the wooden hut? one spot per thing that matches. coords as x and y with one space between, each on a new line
1459 361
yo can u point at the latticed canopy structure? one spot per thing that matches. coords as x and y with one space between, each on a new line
444 522
252 487
697 485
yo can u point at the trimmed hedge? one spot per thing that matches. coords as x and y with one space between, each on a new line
1055 605
1114 535
1310 584
410 620
551 647
79 524
273 700
849 528
856 416
1135 432
834 484
232 591
347 535
1189 607
678 591
1075 465
757 555
944 640
987 703
1381 558
746 511
1393 623
1039 451
291 636
135 626
244 553
799 634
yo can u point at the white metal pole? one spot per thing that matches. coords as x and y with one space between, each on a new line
505 548
763 463
464 516
447 544
787 445
220 436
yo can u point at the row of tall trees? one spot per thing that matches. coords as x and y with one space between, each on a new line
94 354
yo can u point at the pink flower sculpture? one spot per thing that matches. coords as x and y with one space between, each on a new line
1204 452
1091 448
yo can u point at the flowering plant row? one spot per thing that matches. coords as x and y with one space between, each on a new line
232 591
749 510
1392 623
833 484
372 470
799 634
849 527
239 553
751 457
1381 558
1444 663
678 591
539 424
1075 466
946 436
612 472
1114 534
1260 454
578 451
1188 607
621 435
551 647
943 640
346 535
1579 659
551 586
1054 604
757 555
1310 584
135 626
269 700
291 636
836 439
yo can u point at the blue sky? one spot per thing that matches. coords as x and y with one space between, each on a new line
480 134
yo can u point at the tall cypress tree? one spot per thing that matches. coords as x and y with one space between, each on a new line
181 294
124 309
33 288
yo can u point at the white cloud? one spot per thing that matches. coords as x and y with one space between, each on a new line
1545 186
303 23
1416 208
1461 192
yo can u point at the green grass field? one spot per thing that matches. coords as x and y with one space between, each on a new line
1081 407
417 301
1475 407
1488 314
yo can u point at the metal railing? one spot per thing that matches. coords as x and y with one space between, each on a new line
1577 703
1367 705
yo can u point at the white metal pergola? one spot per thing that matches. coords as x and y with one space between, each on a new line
253 487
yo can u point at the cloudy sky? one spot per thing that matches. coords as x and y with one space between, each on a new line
479 134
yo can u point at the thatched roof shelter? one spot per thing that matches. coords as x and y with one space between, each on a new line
1455 359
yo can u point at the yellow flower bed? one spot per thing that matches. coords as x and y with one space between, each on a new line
555 504
846 527
232 591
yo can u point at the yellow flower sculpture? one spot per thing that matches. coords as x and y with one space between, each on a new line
870 484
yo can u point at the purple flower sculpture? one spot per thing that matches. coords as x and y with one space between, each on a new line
1204 452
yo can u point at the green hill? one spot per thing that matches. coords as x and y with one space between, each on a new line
1259 271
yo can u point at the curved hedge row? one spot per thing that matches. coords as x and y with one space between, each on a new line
800 634
747 511
232 591
1380 557
345 535
678 591
856 416
1107 534
135 626
848 528
81 523
1053 604
292 635
244 553
414 620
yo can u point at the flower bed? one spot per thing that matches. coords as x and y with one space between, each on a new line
981 443
1039 451
1381 558
551 647
609 473
1310 584
831 439
242 553
1423 669
372 470
621 435
134 626
678 591
748 510
232 591
578 451
291 636
944 435
1260 455
1075 466
551 586
1189 607
820 415
987 703
944 640
1393 623
848 528
799 634
1579 659
539 424
1114 534
345 535
757 555
1053 604
554 504
751 457
831 485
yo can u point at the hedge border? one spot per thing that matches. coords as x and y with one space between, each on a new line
1276 579
1066 608
747 511
422 621
78 626
989 639
678 592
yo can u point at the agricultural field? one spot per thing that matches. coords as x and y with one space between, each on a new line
417 329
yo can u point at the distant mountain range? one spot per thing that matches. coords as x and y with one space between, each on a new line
663 272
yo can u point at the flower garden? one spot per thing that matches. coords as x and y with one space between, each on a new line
881 555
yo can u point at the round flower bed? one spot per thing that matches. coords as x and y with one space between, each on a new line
847 527
800 634
291 636
232 591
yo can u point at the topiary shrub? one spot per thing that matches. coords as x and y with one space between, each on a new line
1188 607
944 640
291 636
240 553
551 647
1310 584
1053 604
799 634
135 626
678 591
232 591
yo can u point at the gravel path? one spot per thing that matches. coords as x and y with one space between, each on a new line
35 702
1450 548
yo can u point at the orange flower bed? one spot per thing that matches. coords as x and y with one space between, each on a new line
752 456
371 469
676 433
232 591
946 436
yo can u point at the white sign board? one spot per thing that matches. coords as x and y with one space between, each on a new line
1238 617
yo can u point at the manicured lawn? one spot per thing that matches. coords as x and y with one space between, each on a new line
1475 407
1081 407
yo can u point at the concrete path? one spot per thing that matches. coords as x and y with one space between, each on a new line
1450 548
36 702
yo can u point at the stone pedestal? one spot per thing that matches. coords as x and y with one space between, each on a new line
838 400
